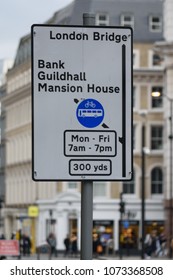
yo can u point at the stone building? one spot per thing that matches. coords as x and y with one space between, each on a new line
164 49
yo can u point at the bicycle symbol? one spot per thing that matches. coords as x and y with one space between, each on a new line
90 104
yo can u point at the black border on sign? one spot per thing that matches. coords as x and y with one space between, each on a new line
85 131
82 160
32 101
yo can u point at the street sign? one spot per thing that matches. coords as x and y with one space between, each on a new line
33 211
81 102
9 248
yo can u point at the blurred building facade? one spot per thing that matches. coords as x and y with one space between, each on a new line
5 64
165 50
59 202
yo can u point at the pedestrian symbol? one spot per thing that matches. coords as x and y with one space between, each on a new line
90 113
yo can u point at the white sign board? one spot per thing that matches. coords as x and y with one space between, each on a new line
82 102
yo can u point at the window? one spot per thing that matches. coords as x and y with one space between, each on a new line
157 102
135 58
157 181
127 20
129 187
99 189
102 19
156 60
156 137
155 24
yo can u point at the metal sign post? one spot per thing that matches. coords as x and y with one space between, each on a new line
87 195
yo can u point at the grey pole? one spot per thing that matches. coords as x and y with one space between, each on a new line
121 227
86 220
171 166
87 194
143 194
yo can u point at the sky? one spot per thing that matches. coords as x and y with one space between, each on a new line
16 18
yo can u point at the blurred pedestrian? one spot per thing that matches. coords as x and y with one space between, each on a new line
73 241
162 251
26 245
51 240
67 245
20 239
171 246
151 244
154 242
99 248
147 242
13 235
2 237
95 244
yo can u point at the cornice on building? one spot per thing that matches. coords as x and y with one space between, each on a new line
147 75
16 95
164 47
